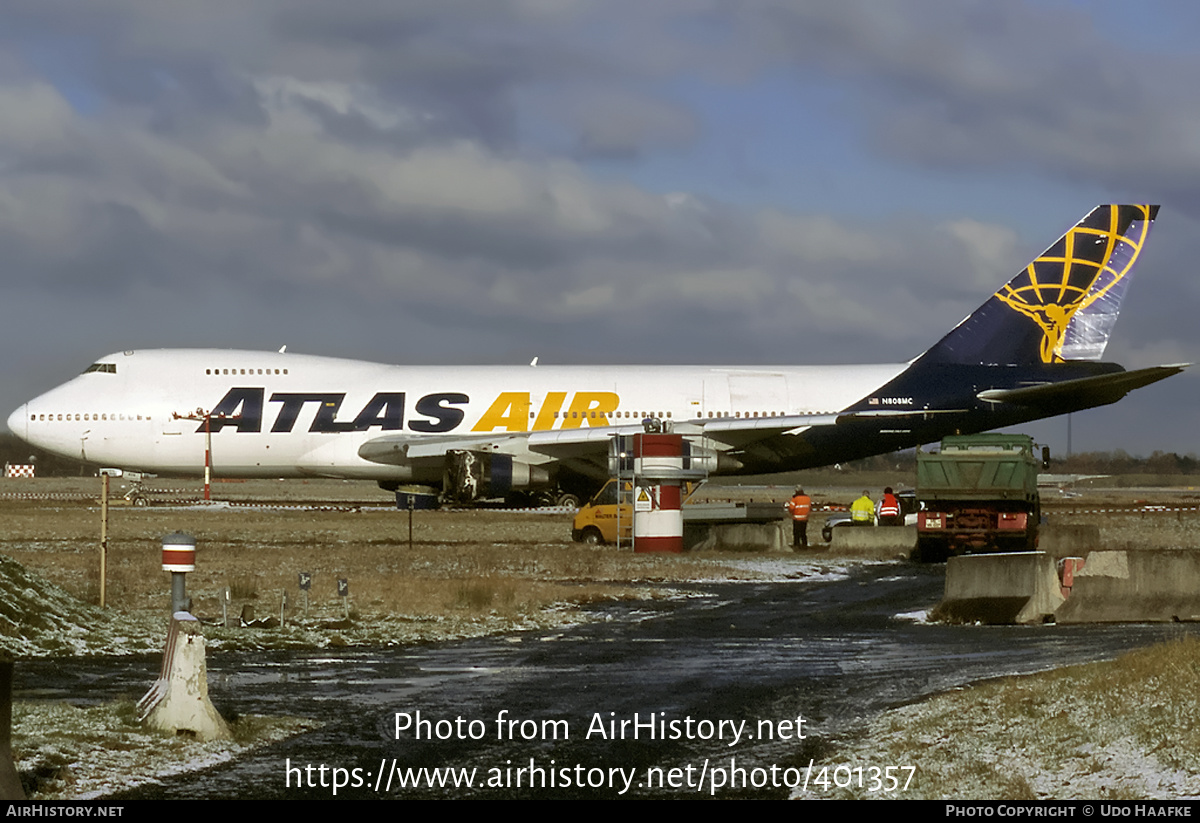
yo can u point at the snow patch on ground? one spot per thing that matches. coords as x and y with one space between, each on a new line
70 752
1117 730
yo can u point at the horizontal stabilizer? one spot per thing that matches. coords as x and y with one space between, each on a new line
1085 392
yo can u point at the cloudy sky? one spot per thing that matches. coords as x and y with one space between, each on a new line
587 181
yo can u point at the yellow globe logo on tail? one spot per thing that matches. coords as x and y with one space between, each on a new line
1073 290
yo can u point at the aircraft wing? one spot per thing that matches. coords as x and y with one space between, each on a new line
766 425
591 443
561 443
397 449
497 456
584 449
731 432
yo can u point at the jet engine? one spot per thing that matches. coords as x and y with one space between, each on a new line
474 475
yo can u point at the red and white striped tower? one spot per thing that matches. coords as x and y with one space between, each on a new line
657 501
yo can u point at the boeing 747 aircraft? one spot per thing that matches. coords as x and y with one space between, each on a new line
1033 350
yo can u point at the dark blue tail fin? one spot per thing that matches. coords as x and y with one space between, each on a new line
1063 305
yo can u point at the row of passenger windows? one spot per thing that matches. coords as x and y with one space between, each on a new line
245 371
587 415
644 415
748 414
52 417
592 415
602 414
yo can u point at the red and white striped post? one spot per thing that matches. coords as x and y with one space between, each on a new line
657 500
179 558
207 456
206 417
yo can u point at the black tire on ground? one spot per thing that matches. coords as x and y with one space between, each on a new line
592 537
568 500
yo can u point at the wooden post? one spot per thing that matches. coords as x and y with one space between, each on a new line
103 536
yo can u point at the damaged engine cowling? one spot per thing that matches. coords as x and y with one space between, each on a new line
473 475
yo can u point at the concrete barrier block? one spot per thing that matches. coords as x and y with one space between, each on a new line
1000 588
1068 540
1135 587
882 541
738 537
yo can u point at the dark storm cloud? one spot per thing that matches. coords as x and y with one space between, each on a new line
965 85
390 125
978 85
498 238
469 68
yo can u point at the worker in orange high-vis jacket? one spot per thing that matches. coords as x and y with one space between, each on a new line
889 509
799 507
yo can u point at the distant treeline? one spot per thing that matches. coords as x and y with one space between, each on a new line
1118 462
1110 463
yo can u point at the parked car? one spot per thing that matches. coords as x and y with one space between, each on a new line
908 508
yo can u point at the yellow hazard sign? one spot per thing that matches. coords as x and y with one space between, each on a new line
643 501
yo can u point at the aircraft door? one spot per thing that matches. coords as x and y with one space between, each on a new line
716 396
758 393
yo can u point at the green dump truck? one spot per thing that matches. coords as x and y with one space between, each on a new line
978 494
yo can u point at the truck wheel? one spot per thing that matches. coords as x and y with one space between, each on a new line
931 551
592 537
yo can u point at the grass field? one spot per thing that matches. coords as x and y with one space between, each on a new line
465 571
478 572
1127 729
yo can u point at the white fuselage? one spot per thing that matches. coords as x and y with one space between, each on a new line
300 415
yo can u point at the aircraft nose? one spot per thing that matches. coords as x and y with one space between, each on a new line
18 421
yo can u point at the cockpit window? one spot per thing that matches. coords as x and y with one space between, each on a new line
107 368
